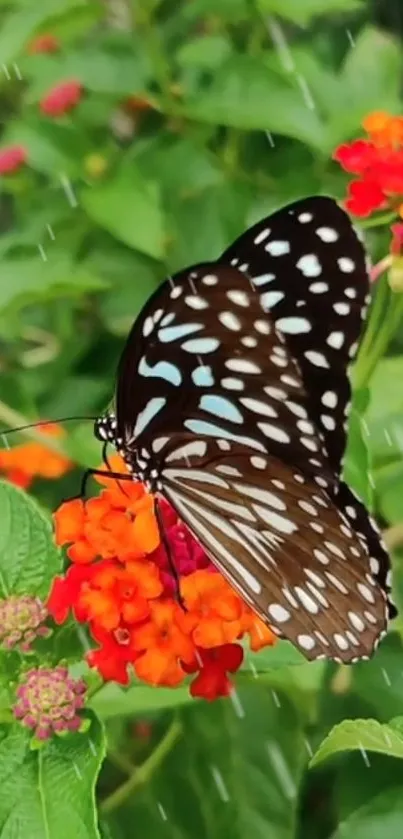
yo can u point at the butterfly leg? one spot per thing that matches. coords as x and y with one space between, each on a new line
171 562
119 476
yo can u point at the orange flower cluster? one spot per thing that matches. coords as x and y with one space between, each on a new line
23 463
120 584
378 162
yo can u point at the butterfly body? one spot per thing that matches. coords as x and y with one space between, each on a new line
228 416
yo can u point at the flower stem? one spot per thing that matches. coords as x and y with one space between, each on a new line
386 313
381 220
143 773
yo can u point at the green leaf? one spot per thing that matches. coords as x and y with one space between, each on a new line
238 766
204 224
204 53
22 24
247 94
379 682
52 149
49 793
114 701
356 462
384 416
382 815
282 654
376 57
303 12
25 280
367 735
235 11
29 558
128 207
131 276
99 70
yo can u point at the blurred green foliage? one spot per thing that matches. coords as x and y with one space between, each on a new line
197 118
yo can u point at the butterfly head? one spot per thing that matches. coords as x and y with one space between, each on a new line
105 429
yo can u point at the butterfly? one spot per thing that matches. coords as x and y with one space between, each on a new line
231 403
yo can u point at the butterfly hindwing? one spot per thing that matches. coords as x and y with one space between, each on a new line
282 543
309 267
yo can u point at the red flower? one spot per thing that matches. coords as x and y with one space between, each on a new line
364 197
43 43
11 159
62 98
114 655
355 157
378 161
213 665
65 592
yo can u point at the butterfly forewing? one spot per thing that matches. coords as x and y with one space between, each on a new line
309 268
282 543
205 359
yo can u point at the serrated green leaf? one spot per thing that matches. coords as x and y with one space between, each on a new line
365 735
29 558
129 208
49 793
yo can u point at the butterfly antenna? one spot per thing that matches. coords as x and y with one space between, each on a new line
167 548
44 422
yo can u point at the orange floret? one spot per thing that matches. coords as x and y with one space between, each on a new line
216 610
27 461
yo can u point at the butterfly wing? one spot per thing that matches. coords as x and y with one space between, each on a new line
309 267
282 544
204 358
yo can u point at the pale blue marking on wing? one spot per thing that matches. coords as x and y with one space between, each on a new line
221 407
148 413
203 376
208 429
167 319
270 298
161 370
263 279
173 333
201 345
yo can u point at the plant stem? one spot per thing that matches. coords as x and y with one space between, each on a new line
379 221
385 317
143 773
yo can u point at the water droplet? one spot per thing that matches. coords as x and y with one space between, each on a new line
68 189
162 812
237 704
219 782
282 770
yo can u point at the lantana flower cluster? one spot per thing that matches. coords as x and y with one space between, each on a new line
377 161
23 463
121 585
